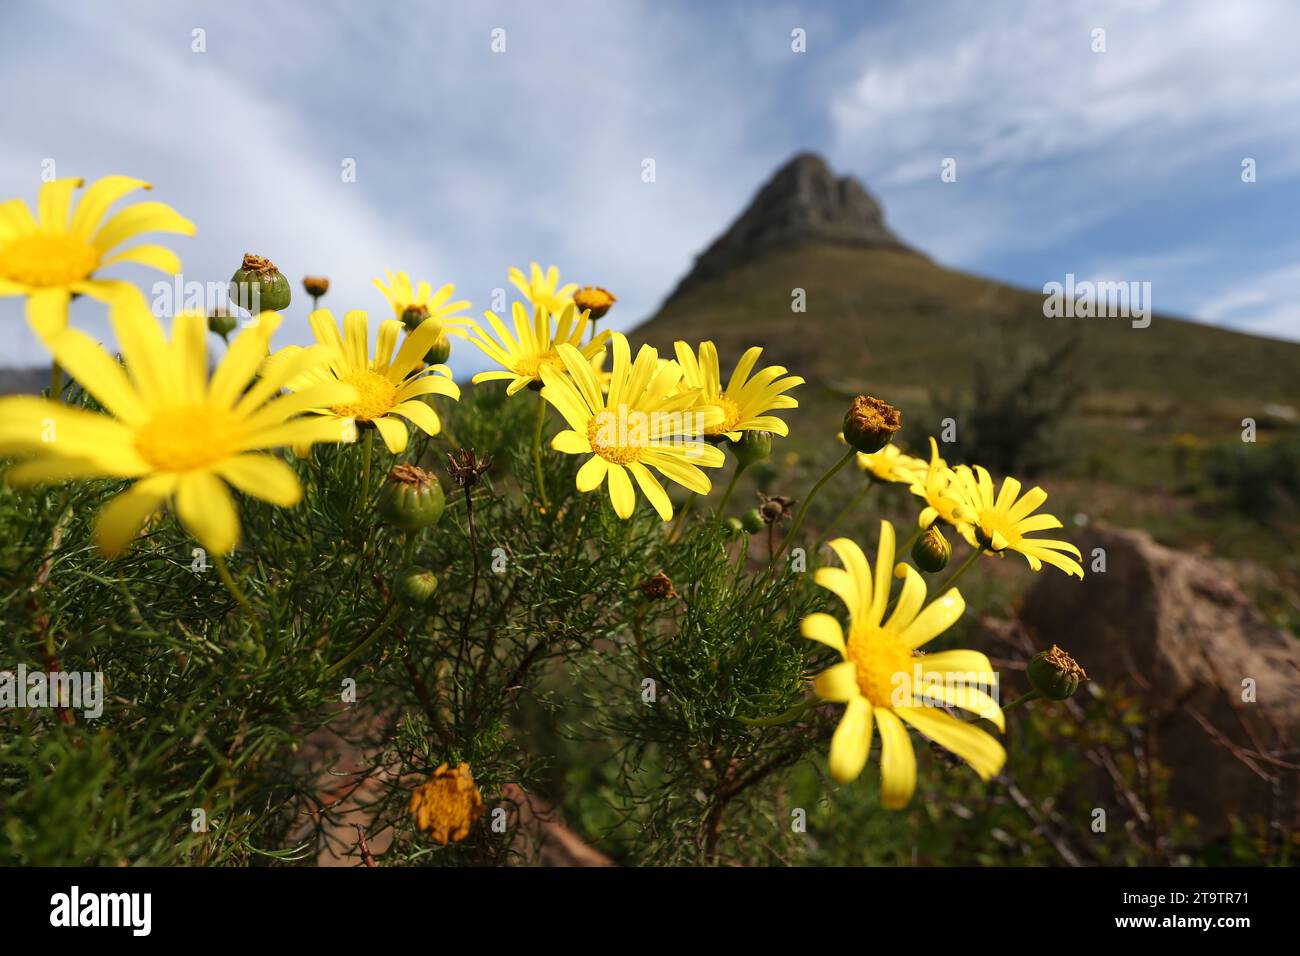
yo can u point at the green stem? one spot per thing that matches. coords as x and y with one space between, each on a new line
857 500
408 554
228 580
365 465
389 615
803 509
679 522
56 381
726 495
537 448
965 566
785 717
1023 699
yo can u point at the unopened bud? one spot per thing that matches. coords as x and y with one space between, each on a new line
932 550
411 498
415 587
753 446
259 286
1054 674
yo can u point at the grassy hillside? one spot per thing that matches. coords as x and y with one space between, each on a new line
1147 410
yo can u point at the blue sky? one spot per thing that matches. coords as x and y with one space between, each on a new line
1123 164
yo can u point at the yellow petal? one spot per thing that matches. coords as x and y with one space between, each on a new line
47 313
421 415
653 491
100 375
207 511
53 202
897 762
939 615
263 476
141 217
393 432
824 629
119 521
99 195
592 473
851 742
571 443
620 491
149 254
839 682
975 746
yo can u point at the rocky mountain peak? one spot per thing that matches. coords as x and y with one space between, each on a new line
804 201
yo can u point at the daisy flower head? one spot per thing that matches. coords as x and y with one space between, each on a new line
534 344
932 485
643 422
389 381
885 683
413 304
746 400
891 464
59 251
1005 521
181 436
543 288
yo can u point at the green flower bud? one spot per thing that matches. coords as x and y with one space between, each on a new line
734 526
752 521
222 323
440 352
752 447
258 286
1054 674
870 424
415 587
411 498
413 315
932 550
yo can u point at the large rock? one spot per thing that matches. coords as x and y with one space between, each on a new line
803 202
1174 629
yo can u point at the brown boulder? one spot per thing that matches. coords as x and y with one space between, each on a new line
1222 686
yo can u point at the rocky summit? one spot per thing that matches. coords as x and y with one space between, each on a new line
804 201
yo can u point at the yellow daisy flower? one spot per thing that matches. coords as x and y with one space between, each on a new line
641 424
50 257
543 288
437 305
181 435
890 464
1004 523
883 677
534 344
388 385
933 486
745 401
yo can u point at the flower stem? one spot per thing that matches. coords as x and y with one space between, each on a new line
785 717
228 580
965 565
365 465
1023 699
857 500
537 449
389 615
726 495
56 381
803 509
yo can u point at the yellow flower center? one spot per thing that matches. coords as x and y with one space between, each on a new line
529 364
616 438
883 663
376 396
47 260
188 437
731 416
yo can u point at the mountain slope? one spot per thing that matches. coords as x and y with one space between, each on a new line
883 319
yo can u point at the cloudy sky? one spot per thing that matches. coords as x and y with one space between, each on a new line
1122 164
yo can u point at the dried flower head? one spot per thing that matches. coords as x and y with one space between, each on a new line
448 804
466 468
316 286
870 424
658 588
776 508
